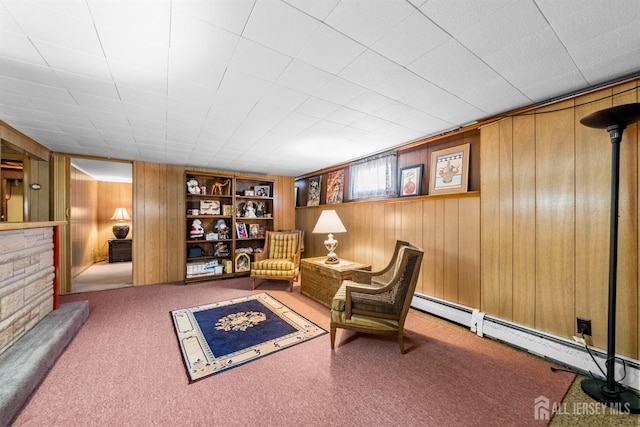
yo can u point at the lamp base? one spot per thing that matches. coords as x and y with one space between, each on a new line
332 261
120 231
620 399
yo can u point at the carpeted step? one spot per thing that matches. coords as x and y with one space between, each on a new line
26 363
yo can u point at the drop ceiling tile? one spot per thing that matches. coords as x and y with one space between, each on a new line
94 104
295 123
456 16
532 59
367 21
135 77
345 116
303 77
317 107
369 123
329 50
511 22
77 83
18 70
621 65
258 61
400 84
279 26
318 9
575 23
199 52
412 38
370 102
283 97
369 69
339 91
18 47
36 91
70 26
453 67
231 15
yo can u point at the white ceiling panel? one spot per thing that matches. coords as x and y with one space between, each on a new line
367 21
411 39
224 83
279 26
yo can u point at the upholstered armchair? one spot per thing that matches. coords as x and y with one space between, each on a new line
279 259
378 302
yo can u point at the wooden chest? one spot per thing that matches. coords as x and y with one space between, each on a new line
320 281
120 250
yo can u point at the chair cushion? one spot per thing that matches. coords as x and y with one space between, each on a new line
359 321
274 268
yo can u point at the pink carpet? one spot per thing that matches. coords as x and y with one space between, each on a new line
124 368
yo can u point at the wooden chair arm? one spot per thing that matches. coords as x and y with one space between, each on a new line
259 256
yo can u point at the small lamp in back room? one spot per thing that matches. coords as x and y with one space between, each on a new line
329 222
120 228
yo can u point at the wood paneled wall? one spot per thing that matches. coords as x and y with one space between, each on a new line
545 188
446 227
84 212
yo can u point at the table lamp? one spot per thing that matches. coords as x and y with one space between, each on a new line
120 228
329 222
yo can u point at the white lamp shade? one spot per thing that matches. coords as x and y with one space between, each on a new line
121 214
329 222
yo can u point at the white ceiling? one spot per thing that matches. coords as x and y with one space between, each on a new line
289 87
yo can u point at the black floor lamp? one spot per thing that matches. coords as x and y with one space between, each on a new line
608 392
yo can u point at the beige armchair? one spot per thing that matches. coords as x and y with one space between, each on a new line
378 302
279 259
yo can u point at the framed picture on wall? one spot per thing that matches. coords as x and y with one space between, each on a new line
449 170
410 181
315 185
335 186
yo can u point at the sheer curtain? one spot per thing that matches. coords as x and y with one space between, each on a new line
373 177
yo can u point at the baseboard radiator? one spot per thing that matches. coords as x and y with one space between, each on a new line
554 348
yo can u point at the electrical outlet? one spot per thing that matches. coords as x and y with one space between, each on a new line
584 326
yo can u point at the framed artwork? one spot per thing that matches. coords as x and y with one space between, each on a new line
241 230
410 181
254 231
335 186
262 190
449 172
243 262
315 185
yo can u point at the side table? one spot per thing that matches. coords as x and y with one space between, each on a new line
119 250
320 281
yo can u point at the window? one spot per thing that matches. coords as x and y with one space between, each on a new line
373 177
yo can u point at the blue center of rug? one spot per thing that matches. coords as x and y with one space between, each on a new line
226 331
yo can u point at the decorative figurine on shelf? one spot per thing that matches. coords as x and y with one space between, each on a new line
218 187
197 231
261 209
192 186
249 210
222 229
221 249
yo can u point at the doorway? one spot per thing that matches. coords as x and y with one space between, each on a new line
101 204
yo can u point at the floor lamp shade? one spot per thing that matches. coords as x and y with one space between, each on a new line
120 228
329 222
610 392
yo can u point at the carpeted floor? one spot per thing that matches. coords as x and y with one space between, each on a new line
102 276
124 368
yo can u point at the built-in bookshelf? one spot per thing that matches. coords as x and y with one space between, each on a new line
227 217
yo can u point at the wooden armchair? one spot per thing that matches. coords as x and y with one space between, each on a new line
279 259
380 301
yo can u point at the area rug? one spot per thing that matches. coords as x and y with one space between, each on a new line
222 335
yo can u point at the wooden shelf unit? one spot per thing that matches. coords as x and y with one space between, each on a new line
223 219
